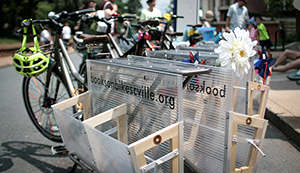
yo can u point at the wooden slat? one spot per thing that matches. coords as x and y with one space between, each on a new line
72 101
106 116
138 148
147 142
259 124
263 99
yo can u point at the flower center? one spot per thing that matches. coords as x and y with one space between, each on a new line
242 53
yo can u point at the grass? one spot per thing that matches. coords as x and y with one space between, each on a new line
8 40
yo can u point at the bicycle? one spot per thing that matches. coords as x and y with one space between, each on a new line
112 49
166 41
40 91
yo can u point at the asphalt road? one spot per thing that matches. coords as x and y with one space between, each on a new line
24 149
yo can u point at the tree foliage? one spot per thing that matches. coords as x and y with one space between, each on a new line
12 12
280 8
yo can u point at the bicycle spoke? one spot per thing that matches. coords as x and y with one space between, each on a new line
37 111
50 125
56 101
33 96
37 88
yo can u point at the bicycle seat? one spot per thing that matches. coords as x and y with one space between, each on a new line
87 38
172 34
194 26
151 22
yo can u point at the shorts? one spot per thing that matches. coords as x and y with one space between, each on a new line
265 43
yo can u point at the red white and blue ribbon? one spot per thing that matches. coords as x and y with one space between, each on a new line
262 64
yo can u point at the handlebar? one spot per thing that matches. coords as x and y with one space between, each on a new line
55 18
80 12
175 16
117 17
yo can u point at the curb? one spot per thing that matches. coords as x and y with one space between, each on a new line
284 127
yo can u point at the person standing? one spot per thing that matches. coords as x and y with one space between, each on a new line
151 12
252 29
209 17
66 32
237 15
264 39
46 36
109 8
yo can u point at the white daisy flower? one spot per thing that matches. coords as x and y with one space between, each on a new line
235 51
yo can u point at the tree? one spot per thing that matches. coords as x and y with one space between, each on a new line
13 12
129 6
280 8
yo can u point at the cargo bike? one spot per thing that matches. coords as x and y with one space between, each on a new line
145 114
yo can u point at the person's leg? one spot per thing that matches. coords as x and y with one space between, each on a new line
269 45
287 54
291 65
268 51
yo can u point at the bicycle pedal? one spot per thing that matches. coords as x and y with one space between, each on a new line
59 150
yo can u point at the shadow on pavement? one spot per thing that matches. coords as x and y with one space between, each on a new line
35 154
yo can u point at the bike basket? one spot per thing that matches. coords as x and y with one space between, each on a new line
30 61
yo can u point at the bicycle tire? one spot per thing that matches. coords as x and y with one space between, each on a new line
42 114
83 73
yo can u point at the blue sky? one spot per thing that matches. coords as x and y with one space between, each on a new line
162 5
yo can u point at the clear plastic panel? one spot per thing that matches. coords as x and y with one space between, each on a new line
152 89
207 98
180 55
152 98
110 154
74 136
210 48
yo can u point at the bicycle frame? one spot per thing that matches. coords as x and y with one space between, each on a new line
64 63
120 53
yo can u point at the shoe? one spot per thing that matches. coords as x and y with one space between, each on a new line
293 76
298 82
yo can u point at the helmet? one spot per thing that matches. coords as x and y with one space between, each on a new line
30 62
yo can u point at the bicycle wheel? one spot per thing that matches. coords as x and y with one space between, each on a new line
83 73
39 109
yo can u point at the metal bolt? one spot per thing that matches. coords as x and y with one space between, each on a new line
225 147
83 132
227 116
128 152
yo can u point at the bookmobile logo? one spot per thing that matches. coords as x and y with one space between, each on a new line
142 91
202 88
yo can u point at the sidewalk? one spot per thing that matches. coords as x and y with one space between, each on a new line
283 108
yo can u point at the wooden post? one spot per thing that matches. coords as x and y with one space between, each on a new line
259 124
138 148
